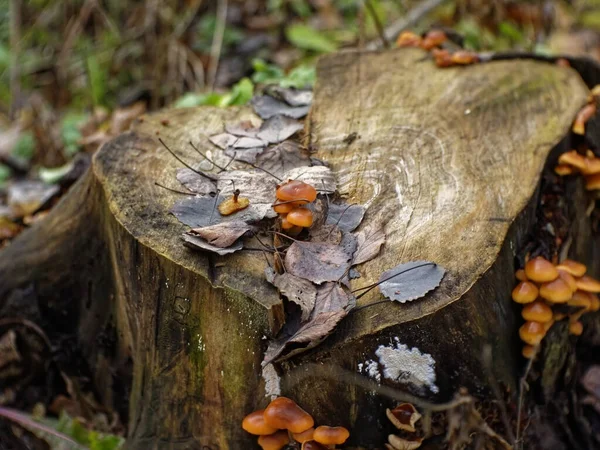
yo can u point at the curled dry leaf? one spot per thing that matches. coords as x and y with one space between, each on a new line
346 217
283 157
198 243
223 140
298 290
327 233
398 443
267 107
198 211
410 281
195 183
320 177
318 262
404 416
245 128
293 97
278 128
333 297
248 155
223 234
369 242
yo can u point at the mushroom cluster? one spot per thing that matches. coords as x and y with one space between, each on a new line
587 112
544 286
431 42
572 162
291 200
403 417
283 422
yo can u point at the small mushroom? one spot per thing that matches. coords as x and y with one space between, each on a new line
583 116
592 182
581 299
528 351
404 416
300 217
304 436
313 445
557 291
275 441
285 207
537 312
574 159
592 166
233 204
595 306
558 316
284 414
331 435
296 190
520 275
532 333
433 38
588 284
464 57
540 270
254 423
573 267
563 170
525 292
568 278
408 39
576 328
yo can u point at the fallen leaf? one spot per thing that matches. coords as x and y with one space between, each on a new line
248 142
283 157
224 234
318 262
195 183
333 297
320 177
243 128
347 217
223 140
255 185
267 107
248 155
278 128
198 211
27 197
410 281
327 233
122 118
198 243
298 290
293 97
369 242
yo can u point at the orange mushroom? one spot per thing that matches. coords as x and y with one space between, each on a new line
404 416
433 38
573 158
532 333
540 270
300 217
528 351
304 436
331 435
537 312
568 278
595 305
583 116
520 275
313 445
588 284
557 291
581 299
525 292
296 190
564 170
573 267
286 207
408 39
464 57
275 441
592 165
254 423
233 204
576 328
592 182
284 414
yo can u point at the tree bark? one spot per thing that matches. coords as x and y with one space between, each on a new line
451 159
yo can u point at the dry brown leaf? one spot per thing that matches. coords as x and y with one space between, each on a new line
223 234
300 291
317 262
195 182
283 157
198 243
404 416
369 242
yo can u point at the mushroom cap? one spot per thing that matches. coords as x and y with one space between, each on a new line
559 316
548 325
432 39
575 328
583 116
301 217
595 306
275 441
233 205
537 312
296 190
592 182
254 423
574 159
581 299
573 267
540 270
284 414
331 435
525 292
564 170
557 291
528 351
285 224
592 166
304 436
520 275
313 445
404 416
284 208
408 39
532 333
588 284
568 278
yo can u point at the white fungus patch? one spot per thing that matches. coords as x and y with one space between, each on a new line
404 365
272 381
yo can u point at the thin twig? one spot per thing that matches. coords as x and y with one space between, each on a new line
522 386
206 157
199 172
173 190
217 43
214 207
377 22
374 285
259 168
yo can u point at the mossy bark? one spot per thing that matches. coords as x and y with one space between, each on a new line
450 159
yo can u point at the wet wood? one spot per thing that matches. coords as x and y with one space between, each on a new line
449 159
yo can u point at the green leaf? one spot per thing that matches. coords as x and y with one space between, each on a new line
25 147
51 175
97 80
5 174
510 31
300 77
307 38
265 73
69 131
241 93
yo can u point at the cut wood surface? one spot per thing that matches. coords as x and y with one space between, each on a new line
448 159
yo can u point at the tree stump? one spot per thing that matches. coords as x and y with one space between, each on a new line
450 159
